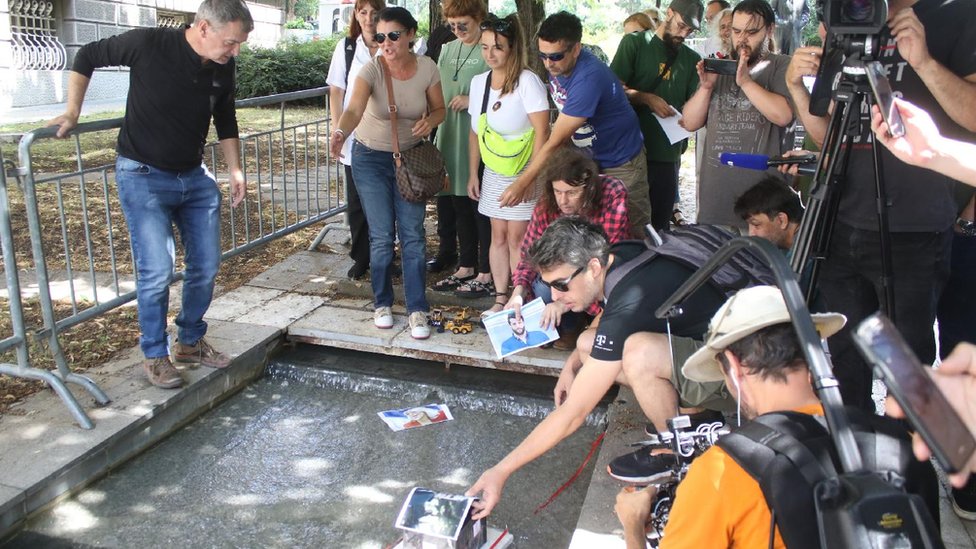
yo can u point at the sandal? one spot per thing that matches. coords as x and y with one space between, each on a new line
474 289
451 283
677 219
500 304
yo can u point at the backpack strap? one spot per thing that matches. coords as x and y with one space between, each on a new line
771 444
616 275
350 51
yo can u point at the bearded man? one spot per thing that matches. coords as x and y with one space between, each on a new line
659 72
746 112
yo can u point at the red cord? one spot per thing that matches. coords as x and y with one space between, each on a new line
500 538
572 479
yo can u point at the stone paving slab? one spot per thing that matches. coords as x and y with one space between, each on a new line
237 303
281 311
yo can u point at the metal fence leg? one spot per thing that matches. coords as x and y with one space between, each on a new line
69 399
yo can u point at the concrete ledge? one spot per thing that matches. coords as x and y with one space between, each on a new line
598 525
348 327
46 456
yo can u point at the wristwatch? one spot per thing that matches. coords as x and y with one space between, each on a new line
966 227
340 132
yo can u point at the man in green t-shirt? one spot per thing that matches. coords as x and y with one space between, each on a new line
659 72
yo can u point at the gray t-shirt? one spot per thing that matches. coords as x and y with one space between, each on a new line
411 101
734 125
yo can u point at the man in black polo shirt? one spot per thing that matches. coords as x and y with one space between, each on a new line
178 80
575 260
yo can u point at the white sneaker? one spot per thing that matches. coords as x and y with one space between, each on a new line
419 329
383 317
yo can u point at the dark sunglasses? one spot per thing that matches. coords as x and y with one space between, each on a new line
393 36
497 25
458 27
554 57
563 285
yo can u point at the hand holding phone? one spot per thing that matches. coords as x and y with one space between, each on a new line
885 98
936 422
721 66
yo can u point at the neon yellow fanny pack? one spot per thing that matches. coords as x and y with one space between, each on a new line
504 156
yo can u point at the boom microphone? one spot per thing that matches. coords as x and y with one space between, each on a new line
762 162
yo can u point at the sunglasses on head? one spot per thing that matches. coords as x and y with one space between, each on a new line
563 285
554 57
458 27
393 36
497 25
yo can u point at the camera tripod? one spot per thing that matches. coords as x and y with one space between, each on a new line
816 228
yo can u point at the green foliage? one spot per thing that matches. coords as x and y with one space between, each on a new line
307 9
298 23
289 67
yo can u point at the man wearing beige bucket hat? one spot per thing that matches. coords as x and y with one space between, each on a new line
751 346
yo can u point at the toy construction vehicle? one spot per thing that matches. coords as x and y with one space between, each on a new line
460 323
436 319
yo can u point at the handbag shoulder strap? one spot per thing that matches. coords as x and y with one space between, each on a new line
672 55
484 100
388 78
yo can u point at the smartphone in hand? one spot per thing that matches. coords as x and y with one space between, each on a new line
885 98
928 411
721 66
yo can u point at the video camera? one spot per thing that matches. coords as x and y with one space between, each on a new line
853 28
686 445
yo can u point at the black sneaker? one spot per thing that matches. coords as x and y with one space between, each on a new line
698 418
641 467
358 270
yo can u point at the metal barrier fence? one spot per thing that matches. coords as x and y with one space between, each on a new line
80 246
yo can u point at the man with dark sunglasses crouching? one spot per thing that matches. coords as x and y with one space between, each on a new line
626 344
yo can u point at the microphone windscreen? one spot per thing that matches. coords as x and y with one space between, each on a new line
743 160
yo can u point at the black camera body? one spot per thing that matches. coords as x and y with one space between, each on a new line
852 17
853 29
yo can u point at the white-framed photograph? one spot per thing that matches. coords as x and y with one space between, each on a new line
510 334
434 514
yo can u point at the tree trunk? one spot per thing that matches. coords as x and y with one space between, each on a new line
531 13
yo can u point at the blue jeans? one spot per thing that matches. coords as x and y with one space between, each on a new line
153 200
386 212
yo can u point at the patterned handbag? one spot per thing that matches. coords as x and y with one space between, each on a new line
420 171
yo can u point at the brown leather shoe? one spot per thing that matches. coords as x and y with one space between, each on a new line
202 353
161 372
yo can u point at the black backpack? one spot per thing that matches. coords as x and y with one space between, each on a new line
791 454
693 245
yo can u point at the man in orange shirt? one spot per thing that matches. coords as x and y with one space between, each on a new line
752 346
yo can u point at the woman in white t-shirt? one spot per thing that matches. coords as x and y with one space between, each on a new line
362 41
516 113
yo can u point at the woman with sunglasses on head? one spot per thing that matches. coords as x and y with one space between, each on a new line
459 62
573 187
509 109
420 108
357 49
